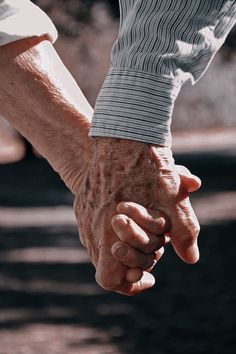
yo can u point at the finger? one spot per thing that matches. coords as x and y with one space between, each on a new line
110 273
159 254
131 257
190 181
184 233
129 232
112 277
146 282
153 221
133 275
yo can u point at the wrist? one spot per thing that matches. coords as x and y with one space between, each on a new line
118 151
125 148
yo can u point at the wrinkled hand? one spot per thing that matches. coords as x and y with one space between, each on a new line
120 170
41 99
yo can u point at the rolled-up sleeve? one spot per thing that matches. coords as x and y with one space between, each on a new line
21 19
161 45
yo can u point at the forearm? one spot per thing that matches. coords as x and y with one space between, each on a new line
41 99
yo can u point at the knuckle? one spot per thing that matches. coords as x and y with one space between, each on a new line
197 226
190 222
122 226
131 209
195 229
160 225
192 233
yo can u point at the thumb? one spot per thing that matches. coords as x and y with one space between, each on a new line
191 182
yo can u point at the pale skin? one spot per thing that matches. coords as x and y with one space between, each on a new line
40 98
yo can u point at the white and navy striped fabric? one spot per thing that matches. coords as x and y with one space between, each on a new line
161 44
21 19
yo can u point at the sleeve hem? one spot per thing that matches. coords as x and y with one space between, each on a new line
135 105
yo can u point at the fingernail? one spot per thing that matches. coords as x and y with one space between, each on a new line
121 251
121 207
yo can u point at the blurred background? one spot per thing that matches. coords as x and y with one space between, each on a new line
49 301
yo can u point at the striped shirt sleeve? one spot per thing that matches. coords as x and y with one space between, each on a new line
21 19
161 44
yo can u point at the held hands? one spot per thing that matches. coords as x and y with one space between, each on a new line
41 99
124 251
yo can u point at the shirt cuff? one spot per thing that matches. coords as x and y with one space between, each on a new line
135 105
22 19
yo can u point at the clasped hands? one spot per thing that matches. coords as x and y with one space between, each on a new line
130 197
130 200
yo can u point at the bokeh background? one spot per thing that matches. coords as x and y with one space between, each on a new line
49 301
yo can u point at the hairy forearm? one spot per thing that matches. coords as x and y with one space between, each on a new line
41 99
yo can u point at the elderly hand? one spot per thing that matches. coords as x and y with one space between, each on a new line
41 99
121 170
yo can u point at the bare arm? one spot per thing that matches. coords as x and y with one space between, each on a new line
41 99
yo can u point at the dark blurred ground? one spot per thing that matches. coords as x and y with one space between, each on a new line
50 304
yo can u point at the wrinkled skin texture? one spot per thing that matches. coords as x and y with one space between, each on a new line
120 170
40 98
